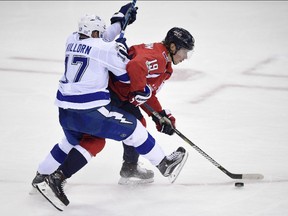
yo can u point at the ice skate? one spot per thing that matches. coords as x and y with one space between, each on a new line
132 174
52 189
172 164
56 182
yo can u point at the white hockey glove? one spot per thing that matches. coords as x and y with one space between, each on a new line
139 97
122 49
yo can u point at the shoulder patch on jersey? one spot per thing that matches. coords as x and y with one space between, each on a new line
149 46
165 56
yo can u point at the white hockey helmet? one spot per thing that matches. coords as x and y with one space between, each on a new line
90 23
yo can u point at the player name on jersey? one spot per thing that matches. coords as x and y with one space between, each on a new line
79 48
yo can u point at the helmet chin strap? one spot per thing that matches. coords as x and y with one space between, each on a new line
172 58
172 55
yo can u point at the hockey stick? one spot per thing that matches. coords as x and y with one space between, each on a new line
127 18
231 175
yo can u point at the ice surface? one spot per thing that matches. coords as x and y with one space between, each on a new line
230 99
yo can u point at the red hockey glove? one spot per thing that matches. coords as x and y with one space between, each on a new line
139 97
167 124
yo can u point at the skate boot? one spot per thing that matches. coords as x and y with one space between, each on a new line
134 174
172 164
56 182
38 179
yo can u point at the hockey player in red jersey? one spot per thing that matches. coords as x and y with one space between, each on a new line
150 64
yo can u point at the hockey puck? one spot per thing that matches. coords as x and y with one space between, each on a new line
239 184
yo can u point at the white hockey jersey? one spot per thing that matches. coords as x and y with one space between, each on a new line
87 65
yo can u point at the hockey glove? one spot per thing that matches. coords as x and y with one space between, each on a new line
122 48
120 16
139 97
166 124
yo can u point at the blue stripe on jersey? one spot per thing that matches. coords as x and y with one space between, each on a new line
84 98
123 78
58 154
146 146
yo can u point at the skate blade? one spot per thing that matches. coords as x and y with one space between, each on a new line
134 181
174 175
46 191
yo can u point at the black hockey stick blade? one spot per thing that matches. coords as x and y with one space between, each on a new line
248 176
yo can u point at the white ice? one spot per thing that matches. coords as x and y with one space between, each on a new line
230 98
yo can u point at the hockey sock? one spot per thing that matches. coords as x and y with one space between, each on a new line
151 150
51 162
130 154
58 154
73 163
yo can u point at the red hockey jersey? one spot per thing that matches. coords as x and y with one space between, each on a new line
149 64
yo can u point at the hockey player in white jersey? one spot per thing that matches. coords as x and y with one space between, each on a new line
84 108
60 150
